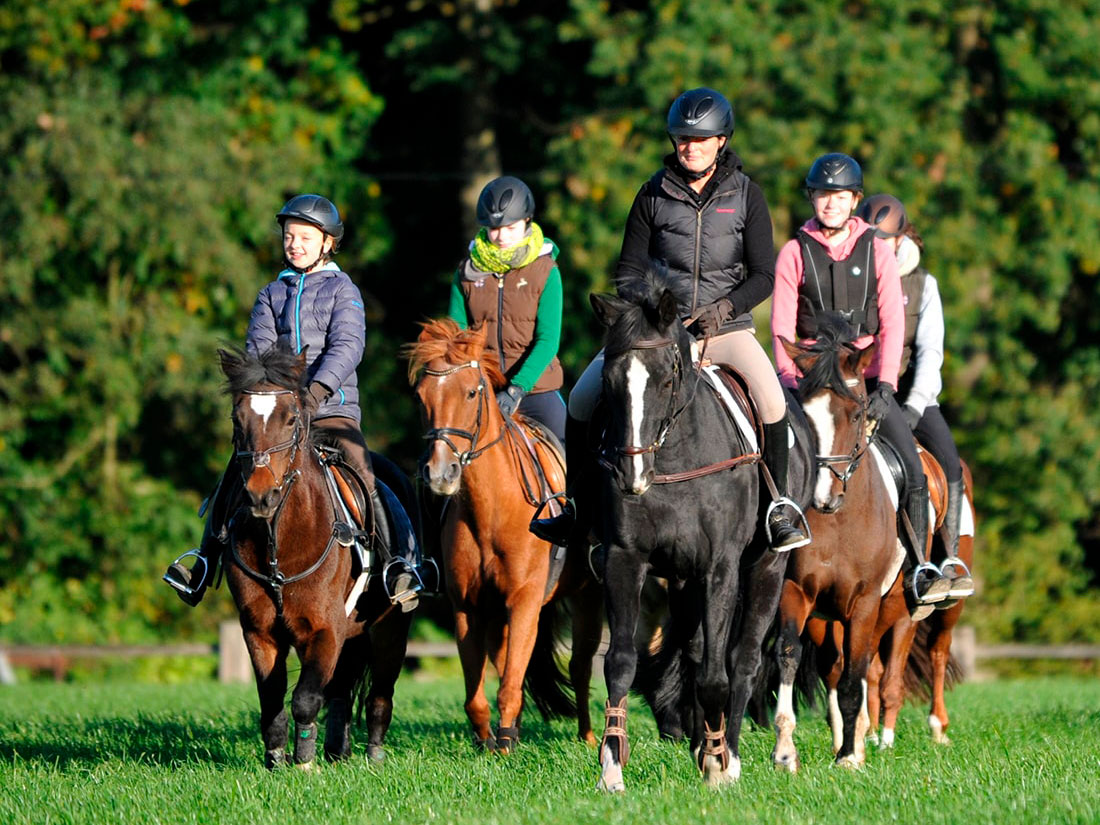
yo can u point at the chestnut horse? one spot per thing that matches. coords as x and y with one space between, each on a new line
851 572
291 571
498 573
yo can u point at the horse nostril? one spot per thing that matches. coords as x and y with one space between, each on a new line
648 475
451 472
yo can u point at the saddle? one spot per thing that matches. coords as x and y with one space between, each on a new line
532 435
732 390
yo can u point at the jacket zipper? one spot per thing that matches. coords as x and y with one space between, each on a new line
500 323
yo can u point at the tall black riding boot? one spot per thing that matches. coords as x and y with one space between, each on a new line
399 577
962 584
783 532
572 522
925 585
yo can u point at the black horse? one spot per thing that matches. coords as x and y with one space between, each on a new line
680 499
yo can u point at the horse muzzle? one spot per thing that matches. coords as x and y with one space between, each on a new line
442 472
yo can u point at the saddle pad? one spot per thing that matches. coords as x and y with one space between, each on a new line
892 486
966 517
735 409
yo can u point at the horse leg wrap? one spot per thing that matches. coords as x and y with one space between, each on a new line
614 727
507 738
714 744
305 743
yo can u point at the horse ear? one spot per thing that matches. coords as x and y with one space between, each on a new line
802 357
860 359
608 308
231 361
667 309
793 350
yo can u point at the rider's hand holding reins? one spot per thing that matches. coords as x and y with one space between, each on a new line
509 398
878 405
712 315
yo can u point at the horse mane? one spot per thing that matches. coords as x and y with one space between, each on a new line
834 338
442 338
277 365
638 297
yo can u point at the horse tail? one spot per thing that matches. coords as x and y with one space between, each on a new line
919 669
546 682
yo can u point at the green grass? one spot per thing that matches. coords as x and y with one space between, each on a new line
1023 751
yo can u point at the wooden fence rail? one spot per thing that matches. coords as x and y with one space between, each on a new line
234 664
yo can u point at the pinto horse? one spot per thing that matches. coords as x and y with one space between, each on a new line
498 574
851 572
680 499
290 569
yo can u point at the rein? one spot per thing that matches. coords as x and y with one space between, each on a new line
443 433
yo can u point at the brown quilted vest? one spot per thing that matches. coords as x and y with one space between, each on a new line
912 293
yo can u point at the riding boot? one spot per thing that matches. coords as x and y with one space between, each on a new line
571 523
925 585
400 579
190 583
962 584
784 535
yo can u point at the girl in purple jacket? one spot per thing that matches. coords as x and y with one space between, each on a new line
313 306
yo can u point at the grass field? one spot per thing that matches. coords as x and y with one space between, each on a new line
1023 751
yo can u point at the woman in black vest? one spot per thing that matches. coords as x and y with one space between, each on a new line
707 221
919 381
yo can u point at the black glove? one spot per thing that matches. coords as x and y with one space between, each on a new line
508 399
912 416
878 405
319 392
712 315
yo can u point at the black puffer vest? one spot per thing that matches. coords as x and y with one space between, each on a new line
849 287
701 241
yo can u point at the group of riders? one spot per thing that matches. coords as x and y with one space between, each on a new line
704 220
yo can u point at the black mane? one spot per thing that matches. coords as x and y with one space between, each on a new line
834 334
276 366
639 319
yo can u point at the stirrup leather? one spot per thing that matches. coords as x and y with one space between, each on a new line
196 581
775 505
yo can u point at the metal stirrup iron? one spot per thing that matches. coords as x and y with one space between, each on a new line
775 505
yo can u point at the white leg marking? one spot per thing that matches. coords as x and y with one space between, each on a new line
637 376
817 410
887 737
262 405
785 755
836 721
611 773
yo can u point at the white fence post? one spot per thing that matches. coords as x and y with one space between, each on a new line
234 664
964 649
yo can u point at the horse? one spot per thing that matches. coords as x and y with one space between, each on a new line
680 499
498 574
291 571
928 668
850 574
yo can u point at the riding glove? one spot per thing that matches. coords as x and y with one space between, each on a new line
878 405
912 416
712 315
508 399
319 392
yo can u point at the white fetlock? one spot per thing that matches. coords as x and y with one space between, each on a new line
611 773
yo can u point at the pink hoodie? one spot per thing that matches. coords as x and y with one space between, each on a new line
891 312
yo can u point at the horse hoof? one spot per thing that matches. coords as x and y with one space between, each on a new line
486 745
851 762
306 767
611 785
275 759
589 739
786 763
376 753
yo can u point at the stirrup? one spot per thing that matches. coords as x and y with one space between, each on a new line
408 598
962 584
937 590
807 536
436 577
189 589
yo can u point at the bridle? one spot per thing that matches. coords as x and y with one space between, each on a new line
443 434
851 461
262 458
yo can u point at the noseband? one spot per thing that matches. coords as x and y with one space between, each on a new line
852 460
443 433
262 458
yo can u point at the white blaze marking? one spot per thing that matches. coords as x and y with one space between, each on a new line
817 410
262 405
637 376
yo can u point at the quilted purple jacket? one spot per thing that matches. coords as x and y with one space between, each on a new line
323 311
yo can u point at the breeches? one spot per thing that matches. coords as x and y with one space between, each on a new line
548 409
935 436
895 430
345 434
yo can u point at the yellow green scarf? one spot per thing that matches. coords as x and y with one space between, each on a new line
487 257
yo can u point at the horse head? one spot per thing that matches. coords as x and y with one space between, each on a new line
456 380
647 353
834 396
271 412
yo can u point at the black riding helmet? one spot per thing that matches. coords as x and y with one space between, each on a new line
835 172
700 112
504 201
315 210
886 214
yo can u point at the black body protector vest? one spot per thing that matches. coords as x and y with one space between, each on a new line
849 287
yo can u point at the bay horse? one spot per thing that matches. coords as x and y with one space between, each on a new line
498 574
928 668
680 499
291 571
850 574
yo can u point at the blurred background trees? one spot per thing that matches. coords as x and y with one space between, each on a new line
146 147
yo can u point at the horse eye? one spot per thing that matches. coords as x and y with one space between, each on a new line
472 393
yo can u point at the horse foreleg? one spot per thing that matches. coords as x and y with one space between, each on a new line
388 644
318 656
469 637
269 666
794 609
939 651
587 628
713 685
353 658
874 700
622 590
893 677
852 688
518 642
